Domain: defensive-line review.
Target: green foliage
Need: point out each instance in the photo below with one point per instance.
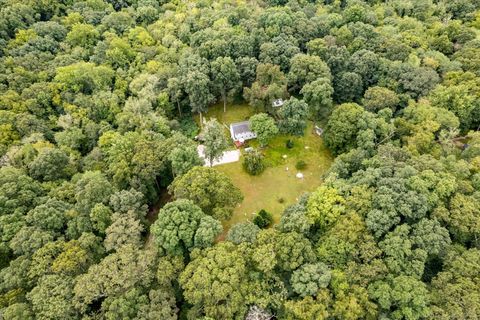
(402, 297)
(224, 267)
(460, 95)
(225, 77)
(453, 293)
(183, 158)
(115, 274)
(378, 98)
(52, 297)
(188, 127)
(300, 165)
(294, 217)
(253, 162)
(270, 84)
(18, 311)
(293, 117)
(182, 226)
(50, 216)
(289, 144)
(84, 77)
(318, 95)
(282, 251)
(49, 165)
(211, 190)
(263, 219)
(84, 35)
(96, 105)
(198, 91)
(18, 192)
(125, 229)
(305, 69)
(350, 126)
(243, 232)
(309, 278)
(325, 206)
(215, 142)
(264, 126)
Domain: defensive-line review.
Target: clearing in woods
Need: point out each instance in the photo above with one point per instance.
(277, 187)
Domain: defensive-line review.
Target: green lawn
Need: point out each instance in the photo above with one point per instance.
(276, 187)
(235, 113)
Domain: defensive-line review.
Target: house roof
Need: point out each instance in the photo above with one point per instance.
(241, 130)
(240, 127)
(277, 102)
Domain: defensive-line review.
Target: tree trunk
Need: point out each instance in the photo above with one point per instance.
(224, 97)
(201, 119)
(179, 109)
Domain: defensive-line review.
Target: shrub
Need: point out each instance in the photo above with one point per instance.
(289, 144)
(188, 127)
(263, 219)
(281, 200)
(300, 165)
(253, 163)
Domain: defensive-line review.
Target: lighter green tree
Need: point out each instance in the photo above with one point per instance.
(225, 77)
(264, 126)
(182, 226)
(210, 189)
(215, 141)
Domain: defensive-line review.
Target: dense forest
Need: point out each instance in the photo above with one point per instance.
(99, 109)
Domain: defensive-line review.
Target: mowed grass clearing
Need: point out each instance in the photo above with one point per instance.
(277, 187)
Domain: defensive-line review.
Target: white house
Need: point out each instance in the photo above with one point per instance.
(241, 132)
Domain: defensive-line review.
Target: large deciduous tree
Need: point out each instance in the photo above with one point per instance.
(305, 69)
(49, 165)
(324, 207)
(318, 95)
(293, 117)
(115, 274)
(309, 278)
(377, 98)
(270, 84)
(197, 87)
(215, 141)
(264, 126)
(214, 282)
(401, 297)
(182, 226)
(225, 77)
(210, 189)
(455, 288)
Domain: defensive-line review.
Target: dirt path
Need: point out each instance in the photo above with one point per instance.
(153, 210)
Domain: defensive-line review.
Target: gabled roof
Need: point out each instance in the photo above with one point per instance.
(241, 130)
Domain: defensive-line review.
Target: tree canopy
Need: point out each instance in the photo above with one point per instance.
(107, 210)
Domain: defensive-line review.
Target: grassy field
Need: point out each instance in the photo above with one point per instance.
(277, 187)
(235, 113)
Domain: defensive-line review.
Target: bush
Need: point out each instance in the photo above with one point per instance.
(188, 127)
(300, 165)
(289, 144)
(263, 219)
(253, 163)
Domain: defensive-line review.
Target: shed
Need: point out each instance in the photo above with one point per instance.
(277, 103)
